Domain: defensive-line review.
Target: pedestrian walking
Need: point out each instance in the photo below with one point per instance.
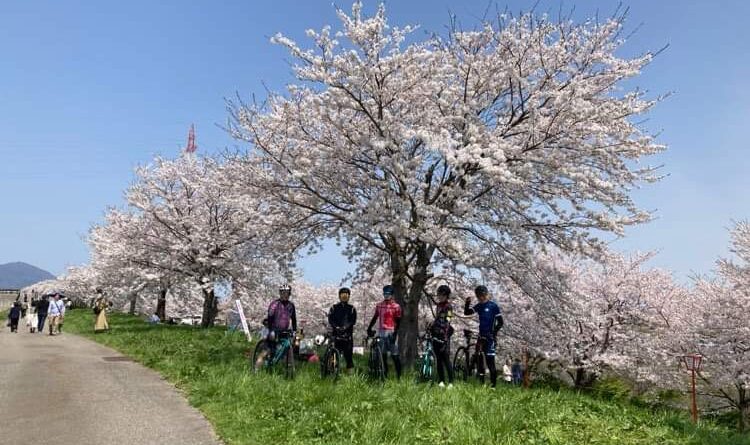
(67, 303)
(31, 320)
(507, 372)
(100, 310)
(24, 306)
(517, 371)
(13, 316)
(56, 314)
(42, 308)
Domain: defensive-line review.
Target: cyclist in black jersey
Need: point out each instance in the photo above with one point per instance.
(341, 318)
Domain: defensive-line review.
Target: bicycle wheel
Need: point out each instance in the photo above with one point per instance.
(261, 349)
(324, 364)
(426, 371)
(461, 365)
(289, 363)
(331, 363)
(334, 364)
(376, 365)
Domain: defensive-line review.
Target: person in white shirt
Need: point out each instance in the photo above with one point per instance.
(153, 319)
(31, 320)
(56, 313)
(507, 375)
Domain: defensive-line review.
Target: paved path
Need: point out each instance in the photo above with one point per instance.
(67, 390)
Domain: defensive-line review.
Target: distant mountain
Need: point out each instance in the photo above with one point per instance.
(18, 275)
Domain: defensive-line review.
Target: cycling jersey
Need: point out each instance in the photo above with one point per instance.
(441, 327)
(282, 315)
(488, 313)
(387, 311)
(343, 316)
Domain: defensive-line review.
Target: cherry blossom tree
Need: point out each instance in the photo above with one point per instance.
(588, 317)
(510, 136)
(717, 327)
(113, 246)
(184, 221)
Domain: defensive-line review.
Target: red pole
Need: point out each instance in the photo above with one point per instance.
(695, 405)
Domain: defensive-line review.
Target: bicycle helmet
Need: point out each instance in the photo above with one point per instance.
(444, 290)
(481, 290)
(285, 289)
(388, 291)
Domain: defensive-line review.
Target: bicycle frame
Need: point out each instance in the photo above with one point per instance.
(376, 353)
(427, 360)
(475, 358)
(332, 350)
(281, 350)
(283, 345)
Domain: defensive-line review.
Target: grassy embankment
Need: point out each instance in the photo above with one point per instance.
(211, 368)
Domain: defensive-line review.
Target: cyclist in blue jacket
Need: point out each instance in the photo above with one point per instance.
(490, 321)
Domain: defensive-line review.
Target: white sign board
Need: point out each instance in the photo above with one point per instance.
(243, 319)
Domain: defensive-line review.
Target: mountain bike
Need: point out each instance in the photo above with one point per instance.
(468, 364)
(267, 356)
(375, 363)
(427, 359)
(330, 366)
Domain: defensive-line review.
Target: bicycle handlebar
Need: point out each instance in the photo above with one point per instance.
(332, 336)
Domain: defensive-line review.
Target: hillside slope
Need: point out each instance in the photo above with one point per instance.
(212, 369)
(17, 275)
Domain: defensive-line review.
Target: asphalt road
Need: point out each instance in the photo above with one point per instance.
(68, 390)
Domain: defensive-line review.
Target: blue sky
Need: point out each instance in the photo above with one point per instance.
(90, 89)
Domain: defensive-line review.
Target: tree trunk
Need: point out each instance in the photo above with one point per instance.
(210, 308)
(133, 301)
(161, 304)
(409, 320)
(744, 407)
(583, 379)
(408, 297)
(408, 333)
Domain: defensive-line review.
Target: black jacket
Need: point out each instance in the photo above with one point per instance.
(15, 312)
(342, 315)
(42, 306)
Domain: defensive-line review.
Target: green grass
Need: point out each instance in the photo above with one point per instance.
(211, 368)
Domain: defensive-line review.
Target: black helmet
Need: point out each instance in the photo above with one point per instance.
(345, 290)
(285, 288)
(481, 290)
(444, 290)
(388, 291)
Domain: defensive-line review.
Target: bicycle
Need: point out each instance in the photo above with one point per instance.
(466, 364)
(375, 363)
(330, 366)
(283, 352)
(427, 359)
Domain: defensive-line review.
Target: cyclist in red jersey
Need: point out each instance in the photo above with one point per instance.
(388, 313)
